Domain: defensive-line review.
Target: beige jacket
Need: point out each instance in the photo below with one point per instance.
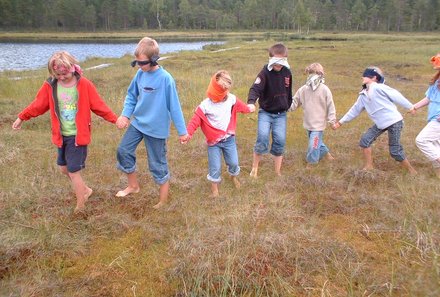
(318, 107)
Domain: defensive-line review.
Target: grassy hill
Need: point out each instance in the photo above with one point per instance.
(333, 230)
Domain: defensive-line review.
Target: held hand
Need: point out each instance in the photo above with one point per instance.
(17, 124)
(122, 122)
(251, 107)
(412, 111)
(336, 125)
(184, 139)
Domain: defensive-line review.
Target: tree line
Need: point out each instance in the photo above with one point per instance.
(298, 15)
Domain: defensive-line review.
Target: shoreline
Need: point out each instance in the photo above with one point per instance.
(132, 36)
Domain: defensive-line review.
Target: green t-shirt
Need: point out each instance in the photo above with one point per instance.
(68, 105)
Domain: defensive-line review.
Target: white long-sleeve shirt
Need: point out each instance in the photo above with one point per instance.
(379, 102)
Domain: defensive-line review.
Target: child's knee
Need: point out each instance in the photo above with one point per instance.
(419, 142)
(234, 169)
(122, 151)
(365, 143)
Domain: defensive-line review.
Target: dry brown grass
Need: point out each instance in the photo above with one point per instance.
(333, 230)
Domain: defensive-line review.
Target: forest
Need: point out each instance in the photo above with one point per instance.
(297, 15)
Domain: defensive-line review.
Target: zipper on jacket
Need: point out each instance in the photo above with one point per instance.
(53, 84)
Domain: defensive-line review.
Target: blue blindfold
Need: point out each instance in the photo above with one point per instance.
(370, 72)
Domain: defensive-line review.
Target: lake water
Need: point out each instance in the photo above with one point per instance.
(27, 56)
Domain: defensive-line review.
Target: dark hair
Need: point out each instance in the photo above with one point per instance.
(278, 49)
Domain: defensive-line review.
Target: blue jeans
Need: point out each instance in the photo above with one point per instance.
(156, 154)
(316, 148)
(396, 149)
(228, 148)
(267, 122)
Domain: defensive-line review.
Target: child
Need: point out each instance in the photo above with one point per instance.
(217, 117)
(273, 90)
(317, 102)
(151, 103)
(70, 97)
(378, 100)
(428, 140)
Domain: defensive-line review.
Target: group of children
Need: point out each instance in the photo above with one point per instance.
(152, 103)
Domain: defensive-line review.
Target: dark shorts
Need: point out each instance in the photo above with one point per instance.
(71, 155)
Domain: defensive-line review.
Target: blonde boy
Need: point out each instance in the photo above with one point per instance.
(150, 106)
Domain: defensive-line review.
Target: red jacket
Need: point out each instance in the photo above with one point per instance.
(212, 134)
(88, 100)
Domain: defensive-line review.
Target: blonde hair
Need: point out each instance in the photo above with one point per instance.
(147, 46)
(223, 79)
(59, 60)
(315, 68)
(278, 49)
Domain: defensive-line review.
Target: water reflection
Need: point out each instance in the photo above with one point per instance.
(27, 56)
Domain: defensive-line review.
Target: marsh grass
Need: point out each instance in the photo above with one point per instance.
(333, 230)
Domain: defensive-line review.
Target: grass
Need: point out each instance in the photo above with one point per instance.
(333, 230)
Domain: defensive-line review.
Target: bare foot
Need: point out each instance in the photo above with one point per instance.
(236, 182)
(88, 193)
(159, 205)
(368, 168)
(254, 173)
(405, 164)
(80, 204)
(329, 157)
(214, 195)
(128, 190)
(412, 171)
(80, 213)
(78, 210)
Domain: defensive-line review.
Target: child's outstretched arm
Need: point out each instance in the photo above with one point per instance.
(243, 107)
(193, 124)
(295, 102)
(336, 125)
(37, 107)
(16, 125)
(418, 105)
(354, 111)
(396, 97)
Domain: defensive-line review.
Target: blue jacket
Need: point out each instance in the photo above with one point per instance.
(152, 102)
